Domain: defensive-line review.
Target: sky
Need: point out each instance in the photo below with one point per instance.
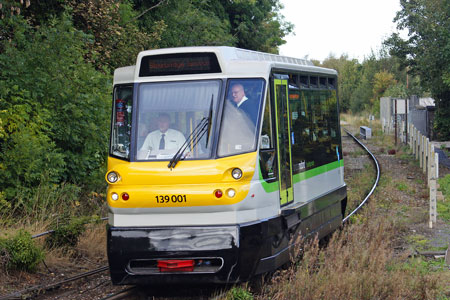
(324, 27)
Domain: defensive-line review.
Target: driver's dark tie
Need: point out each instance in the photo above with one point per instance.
(162, 142)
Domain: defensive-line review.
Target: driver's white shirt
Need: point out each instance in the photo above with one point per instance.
(173, 140)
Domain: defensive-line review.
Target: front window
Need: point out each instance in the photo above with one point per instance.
(238, 133)
(121, 127)
(174, 116)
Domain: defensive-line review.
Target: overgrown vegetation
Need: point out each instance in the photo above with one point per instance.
(426, 53)
(67, 231)
(56, 62)
(19, 252)
(357, 264)
(443, 207)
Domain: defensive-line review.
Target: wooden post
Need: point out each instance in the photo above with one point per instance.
(395, 122)
(425, 155)
(430, 160)
(417, 143)
(436, 163)
(420, 148)
(411, 137)
(406, 120)
(433, 210)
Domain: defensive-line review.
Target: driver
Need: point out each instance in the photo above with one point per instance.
(164, 138)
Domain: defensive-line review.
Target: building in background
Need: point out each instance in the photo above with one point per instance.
(420, 113)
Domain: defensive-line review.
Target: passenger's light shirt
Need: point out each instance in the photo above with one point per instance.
(173, 140)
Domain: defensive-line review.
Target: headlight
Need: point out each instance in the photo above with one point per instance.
(236, 173)
(112, 177)
(114, 196)
(231, 193)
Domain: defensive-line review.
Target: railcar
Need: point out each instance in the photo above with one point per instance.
(201, 190)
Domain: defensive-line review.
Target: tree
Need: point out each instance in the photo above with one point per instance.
(426, 51)
(117, 37)
(54, 108)
(257, 24)
(381, 82)
(349, 77)
(250, 24)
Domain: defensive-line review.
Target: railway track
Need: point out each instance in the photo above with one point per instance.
(36, 290)
(377, 168)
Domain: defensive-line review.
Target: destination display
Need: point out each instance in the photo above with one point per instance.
(178, 64)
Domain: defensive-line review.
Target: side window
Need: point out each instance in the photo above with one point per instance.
(241, 114)
(267, 154)
(121, 121)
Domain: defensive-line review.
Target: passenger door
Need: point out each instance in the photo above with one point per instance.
(283, 133)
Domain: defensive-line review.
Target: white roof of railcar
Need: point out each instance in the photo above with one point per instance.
(234, 62)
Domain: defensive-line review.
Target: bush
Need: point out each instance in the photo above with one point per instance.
(67, 235)
(54, 110)
(20, 253)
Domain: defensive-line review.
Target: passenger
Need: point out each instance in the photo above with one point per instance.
(250, 107)
(164, 138)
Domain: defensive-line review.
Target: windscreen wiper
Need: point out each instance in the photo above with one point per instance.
(203, 126)
(194, 135)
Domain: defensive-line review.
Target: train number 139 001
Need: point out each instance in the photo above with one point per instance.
(170, 198)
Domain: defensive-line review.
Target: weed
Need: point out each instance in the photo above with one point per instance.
(20, 253)
(443, 210)
(418, 241)
(401, 186)
(67, 234)
(239, 293)
(445, 186)
(422, 266)
(419, 181)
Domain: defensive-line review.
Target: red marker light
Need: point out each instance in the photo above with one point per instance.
(218, 194)
(125, 196)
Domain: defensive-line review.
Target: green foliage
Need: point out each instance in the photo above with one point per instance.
(54, 109)
(255, 25)
(444, 184)
(426, 51)
(443, 207)
(20, 253)
(361, 85)
(349, 77)
(238, 293)
(420, 266)
(443, 210)
(117, 38)
(67, 234)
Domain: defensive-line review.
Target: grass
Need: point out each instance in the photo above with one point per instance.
(359, 185)
(357, 264)
(443, 207)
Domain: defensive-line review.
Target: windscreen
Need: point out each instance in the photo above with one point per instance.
(238, 131)
(174, 116)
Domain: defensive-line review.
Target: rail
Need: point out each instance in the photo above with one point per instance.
(53, 230)
(36, 290)
(377, 166)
